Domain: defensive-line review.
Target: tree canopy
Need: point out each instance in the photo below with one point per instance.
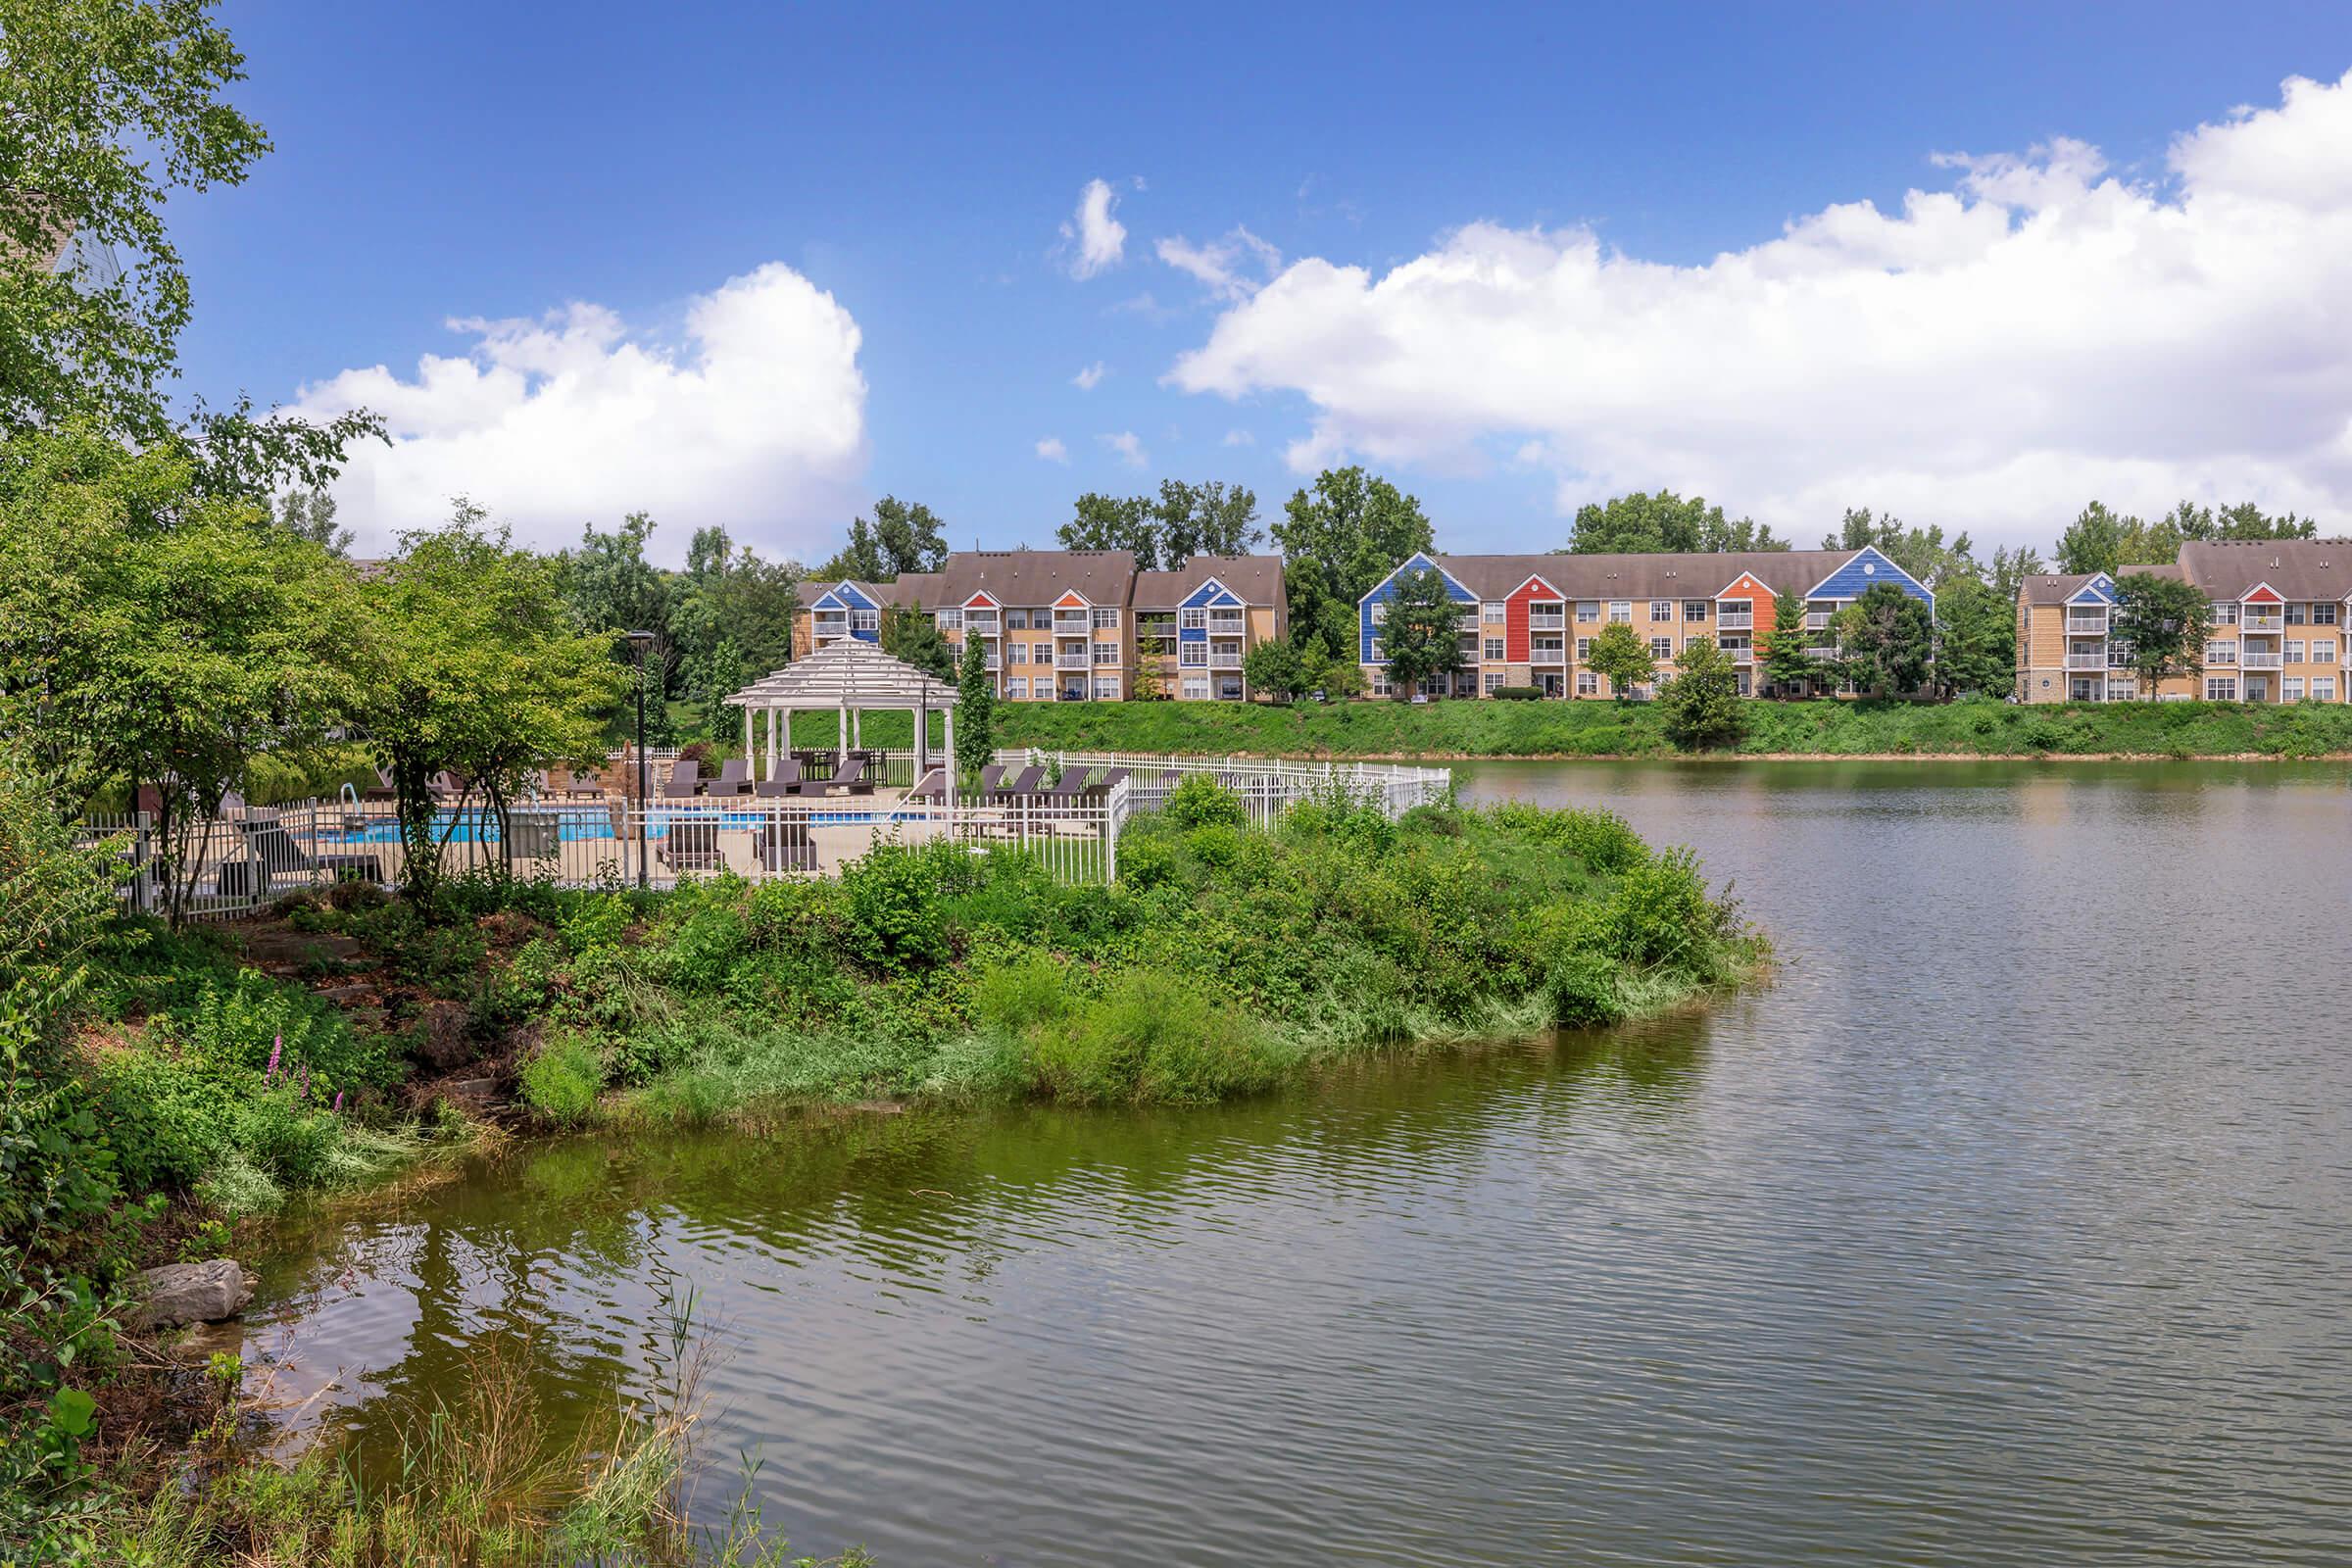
(903, 536)
(1339, 538)
(1886, 641)
(1420, 633)
(2162, 622)
(1619, 652)
(2102, 540)
(1921, 552)
(1662, 523)
(1701, 699)
(1166, 530)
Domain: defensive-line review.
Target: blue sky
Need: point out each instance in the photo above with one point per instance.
(920, 165)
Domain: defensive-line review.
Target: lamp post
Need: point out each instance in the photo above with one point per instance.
(639, 642)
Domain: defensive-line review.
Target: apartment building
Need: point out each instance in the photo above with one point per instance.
(1530, 621)
(1062, 625)
(2280, 612)
(1195, 626)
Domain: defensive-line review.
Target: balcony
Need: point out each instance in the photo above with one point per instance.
(1820, 653)
(1736, 619)
(1546, 620)
(1073, 624)
(2090, 660)
(1740, 656)
(1225, 658)
(2249, 659)
(832, 625)
(1225, 622)
(1819, 619)
(983, 621)
(1547, 654)
(2081, 626)
(2260, 619)
(1078, 660)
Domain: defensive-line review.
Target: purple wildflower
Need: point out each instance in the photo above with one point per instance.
(275, 1046)
(338, 1101)
(305, 1080)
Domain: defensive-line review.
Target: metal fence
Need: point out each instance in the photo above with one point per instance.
(243, 860)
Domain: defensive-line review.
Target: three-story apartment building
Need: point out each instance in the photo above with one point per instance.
(1530, 621)
(2280, 612)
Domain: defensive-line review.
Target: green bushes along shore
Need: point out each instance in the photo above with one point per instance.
(157, 1083)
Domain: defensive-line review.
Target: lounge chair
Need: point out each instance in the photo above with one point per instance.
(850, 780)
(1073, 780)
(279, 855)
(786, 847)
(533, 835)
(734, 777)
(934, 787)
(1101, 789)
(582, 781)
(783, 786)
(1023, 783)
(690, 846)
(685, 779)
(992, 778)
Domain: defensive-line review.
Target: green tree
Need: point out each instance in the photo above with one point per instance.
(1645, 524)
(2099, 540)
(1421, 635)
(910, 634)
(975, 708)
(2162, 624)
(1785, 659)
(611, 587)
(730, 615)
(1114, 523)
(109, 106)
(1887, 640)
(903, 537)
(1151, 686)
(1921, 552)
(1701, 699)
(1274, 669)
(1166, 530)
(1338, 539)
(1975, 649)
(2011, 569)
(1620, 654)
(478, 668)
(311, 513)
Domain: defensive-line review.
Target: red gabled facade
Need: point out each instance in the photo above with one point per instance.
(1515, 624)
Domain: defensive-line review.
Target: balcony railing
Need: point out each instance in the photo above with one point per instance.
(2249, 659)
(1072, 662)
(1736, 619)
(1225, 622)
(1546, 620)
(1740, 656)
(983, 621)
(1819, 619)
(1222, 658)
(2092, 661)
(832, 625)
(1547, 654)
(2086, 625)
(1820, 653)
(2260, 619)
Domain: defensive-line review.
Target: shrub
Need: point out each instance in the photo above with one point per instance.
(168, 1124)
(1517, 694)
(561, 1081)
(896, 921)
(287, 1138)
(1199, 801)
(1021, 995)
(1155, 1036)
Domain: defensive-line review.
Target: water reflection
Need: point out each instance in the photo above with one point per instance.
(2007, 1226)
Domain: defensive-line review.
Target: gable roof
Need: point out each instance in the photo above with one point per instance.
(2298, 568)
(1422, 561)
(1690, 575)
(1863, 571)
(874, 592)
(2061, 587)
(1252, 579)
(1022, 579)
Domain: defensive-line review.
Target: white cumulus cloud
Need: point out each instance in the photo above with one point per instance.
(1129, 446)
(1088, 379)
(756, 422)
(1233, 268)
(1052, 451)
(1096, 240)
(1991, 356)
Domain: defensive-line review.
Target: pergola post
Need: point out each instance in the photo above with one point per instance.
(950, 764)
(841, 748)
(751, 757)
(922, 741)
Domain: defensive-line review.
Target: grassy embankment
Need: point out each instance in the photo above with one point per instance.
(1603, 729)
(159, 1084)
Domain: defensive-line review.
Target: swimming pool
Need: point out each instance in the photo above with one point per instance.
(474, 826)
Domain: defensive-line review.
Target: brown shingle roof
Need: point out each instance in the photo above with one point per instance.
(2057, 587)
(1253, 579)
(814, 588)
(1028, 578)
(2299, 568)
(1646, 576)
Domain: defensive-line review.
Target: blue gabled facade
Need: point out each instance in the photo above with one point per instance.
(1865, 570)
(2100, 590)
(1210, 595)
(846, 596)
(1384, 589)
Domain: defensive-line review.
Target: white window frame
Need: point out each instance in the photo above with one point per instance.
(2290, 688)
(1698, 609)
(1106, 617)
(1495, 611)
(2322, 651)
(1196, 690)
(1621, 611)
(1493, 681)
(1380, 614)
(866, 621)
(1378, 683)
(949, 621)
(1018, 653)
(1017, 620)
(2323, 688)
(1661, 648)
(2214, 688)
(1584, 649)
(1588, 684)
(2292, 651)
(1587, 611)
(1494, 650)
(2323, 613)
(1662, 610)
(2297, 612)
(2224, 613)
(1195, 618)
(1018, 686)
(1106, 654)
(1107, 689)
(2221, 652)
(1195, 655)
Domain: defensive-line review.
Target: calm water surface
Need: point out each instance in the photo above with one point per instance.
(2012, 1224)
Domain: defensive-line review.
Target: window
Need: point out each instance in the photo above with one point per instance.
(1018, 686)
(1106, 690)
(1697, 609)
(1020, 653)
(2294, 651)
(1106, 617)
(2224, 613)
(1587, 611)
(2295, 615)
(1494, 681)
(1588, 684)
(2323, 688)
(2221, 688)
(1696, 638)
(865, 619)
(2322, 653)
(1107, 653)
(1045, 652)
(1584, 649)
(2290, 690)
(1493, 612)
(1195, 655)
(1621, 611)
(1380, 682)
(1196, 690)
(950, 619)
(1195, 619)
(1494, 650)
(1662, 610)
(1380, 614)
(2221, 652)
(1661, 648)
(2323, 614)
(1017, 620)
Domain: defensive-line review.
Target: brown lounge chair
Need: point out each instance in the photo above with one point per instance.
(685, 779)
(1073, 780)
(992, 778)
(1023, 783)
(786, 784)
(1099, 791)
(850, 780)
(787, 847)
(933, 788)
(734, 777)
(690, 846)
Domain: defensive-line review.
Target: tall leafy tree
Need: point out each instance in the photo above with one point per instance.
(2164, 622)
(1975, 649)
(731, 615)
(910, 634)
(1114, 523)
(1274, 669)
(1921, 552)
(611, 587)
(1421, 635)
(975, 708)
(1652, 525)
(1339, 538)
(107, 107)
(1166, 530)
(1887, 640)
(1701, 699)
(903, 536)
(1785, 659)
(1619, 652)
(311, 513)
(2010, 570)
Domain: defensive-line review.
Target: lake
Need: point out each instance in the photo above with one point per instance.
(2012, 1223)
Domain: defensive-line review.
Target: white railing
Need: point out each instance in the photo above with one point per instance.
(1072, 662)
(1077, 625)
(2090, 660)
(2086, 625)
(1540, 620)
(1267, 787)
(1820, 653)
(1740, 656)
(2260, 619)
(1819, 619)
(1547, 654)
(2252, 658)
(1736, 619)
(1223, 658)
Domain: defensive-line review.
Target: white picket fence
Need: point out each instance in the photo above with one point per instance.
(243, 861)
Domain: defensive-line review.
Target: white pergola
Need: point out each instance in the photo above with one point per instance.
(848, 676)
